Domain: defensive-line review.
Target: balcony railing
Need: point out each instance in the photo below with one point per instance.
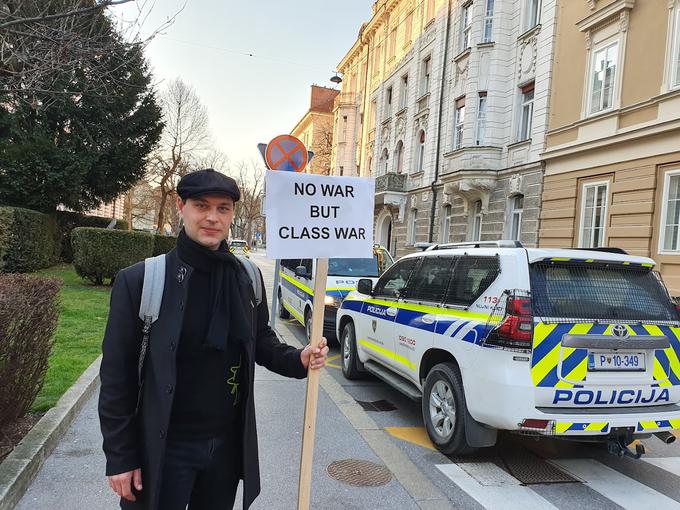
(390, 181)
(346, 99)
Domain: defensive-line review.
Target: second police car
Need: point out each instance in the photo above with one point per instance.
(492, 336)
(296, 287)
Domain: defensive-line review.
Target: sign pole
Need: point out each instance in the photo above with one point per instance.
(309, 428)
(275, 295)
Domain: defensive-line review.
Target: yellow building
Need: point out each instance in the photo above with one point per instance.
(612, 174)
(315, 129)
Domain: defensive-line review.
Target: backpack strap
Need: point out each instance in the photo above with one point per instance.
(150, 306)
(254, 274)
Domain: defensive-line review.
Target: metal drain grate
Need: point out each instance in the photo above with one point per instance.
(378, 405)
(360, 473)
(531, 469)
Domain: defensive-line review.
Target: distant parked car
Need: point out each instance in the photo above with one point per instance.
(239, 247)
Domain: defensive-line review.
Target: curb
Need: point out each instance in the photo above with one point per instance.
(21, 466)
(425, 494)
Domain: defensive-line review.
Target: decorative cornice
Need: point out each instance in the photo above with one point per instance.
(604, 14)
(591, 4)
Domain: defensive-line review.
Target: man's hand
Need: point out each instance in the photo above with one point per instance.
(122, 483)
(315, 358)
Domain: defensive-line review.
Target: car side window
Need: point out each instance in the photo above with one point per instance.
(471, 277)
(308, 264)
(430, 280)
(290, 264)
(392, 283)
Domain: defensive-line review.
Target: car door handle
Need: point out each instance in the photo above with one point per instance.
(427, 319)
(392, 312)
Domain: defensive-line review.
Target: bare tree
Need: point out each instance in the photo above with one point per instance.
(323, 148)
(52, 48)
(184, 140)
(250, 179)
(141, 205)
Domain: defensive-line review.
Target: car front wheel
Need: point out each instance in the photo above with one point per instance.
(351, 366)
(443, 407)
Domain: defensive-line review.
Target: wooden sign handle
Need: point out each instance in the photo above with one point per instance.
(309, 429)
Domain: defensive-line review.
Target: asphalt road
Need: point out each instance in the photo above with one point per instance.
(519, 472)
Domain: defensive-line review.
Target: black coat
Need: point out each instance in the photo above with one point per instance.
(132, 441)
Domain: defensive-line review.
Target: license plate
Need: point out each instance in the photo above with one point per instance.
(615, 361)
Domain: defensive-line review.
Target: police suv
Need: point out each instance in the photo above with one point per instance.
(296, 287)
(492, 336)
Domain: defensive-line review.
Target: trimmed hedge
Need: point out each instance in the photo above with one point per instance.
(28, 319)
(28, 240)
(67, 221)
(100, 253)
(163, 244)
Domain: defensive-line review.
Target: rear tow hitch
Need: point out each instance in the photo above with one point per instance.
(619, 446)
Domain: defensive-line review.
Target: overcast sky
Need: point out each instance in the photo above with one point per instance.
(251, 99)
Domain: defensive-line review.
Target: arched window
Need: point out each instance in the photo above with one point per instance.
(385, 160)
(369, 165)
(421, 151)
(446, 223)
(399, 157)
(516, 210)
(477, 221)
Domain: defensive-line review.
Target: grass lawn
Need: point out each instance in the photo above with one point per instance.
(83, 311)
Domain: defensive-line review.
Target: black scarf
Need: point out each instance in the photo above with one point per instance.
(227, 316)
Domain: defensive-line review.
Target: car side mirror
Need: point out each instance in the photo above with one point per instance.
(365, 286)
(301, 271)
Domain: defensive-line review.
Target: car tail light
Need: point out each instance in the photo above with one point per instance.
(516, 329)
(534, 426)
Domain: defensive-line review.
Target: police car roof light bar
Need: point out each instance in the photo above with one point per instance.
(503, 243)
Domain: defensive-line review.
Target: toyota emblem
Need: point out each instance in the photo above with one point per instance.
(620, 330)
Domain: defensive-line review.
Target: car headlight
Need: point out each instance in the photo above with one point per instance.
(330, 301)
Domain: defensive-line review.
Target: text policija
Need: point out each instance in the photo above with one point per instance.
(323, 211)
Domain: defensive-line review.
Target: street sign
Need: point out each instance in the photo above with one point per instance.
(287, 153)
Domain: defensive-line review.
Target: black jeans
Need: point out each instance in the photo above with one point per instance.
(201, 473)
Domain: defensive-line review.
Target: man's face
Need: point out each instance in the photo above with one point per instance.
(207, 218)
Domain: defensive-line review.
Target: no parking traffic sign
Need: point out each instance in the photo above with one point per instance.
(287, 153)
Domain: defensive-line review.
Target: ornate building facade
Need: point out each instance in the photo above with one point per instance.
(445, 103)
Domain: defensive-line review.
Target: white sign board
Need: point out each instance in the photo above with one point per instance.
(315, 216)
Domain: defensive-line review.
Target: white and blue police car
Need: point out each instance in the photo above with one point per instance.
(568, 343)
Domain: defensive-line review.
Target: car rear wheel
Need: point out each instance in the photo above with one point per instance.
(351, 366)
(283, 313)
(444, 407)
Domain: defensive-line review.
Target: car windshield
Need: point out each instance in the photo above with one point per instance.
(564, 291)
(238, 244)
(372, 267)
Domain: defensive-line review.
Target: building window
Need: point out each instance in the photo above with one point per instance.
(376, 59)
(372, 115)
(393, 43)
(459, 123)
(603, 78)
(404, 92)
(477, 221)
(385, 160)
(466, 27)
(533, 13)
(446, 223)
(426, 70)
(516, 209)
(388, 102)
(342, 171)
(399, 157)
(343, 134)
(526, 112)
(488, 21)
(593, 214)
(429, 15)
(369, 165)
(412, 227)
(481, 119)
(421, 151)
(409, 28)
(670, 215)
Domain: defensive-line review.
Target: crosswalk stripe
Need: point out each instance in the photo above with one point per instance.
(670, 464)
(619, 488)
(492, 487)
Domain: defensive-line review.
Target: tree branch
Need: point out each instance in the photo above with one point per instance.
(76, 12)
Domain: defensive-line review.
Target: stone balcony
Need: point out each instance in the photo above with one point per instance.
(390, 182)
(346, 99)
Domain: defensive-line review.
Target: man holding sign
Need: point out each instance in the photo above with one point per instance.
(187, 434)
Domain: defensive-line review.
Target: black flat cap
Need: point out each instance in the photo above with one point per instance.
(207, 182)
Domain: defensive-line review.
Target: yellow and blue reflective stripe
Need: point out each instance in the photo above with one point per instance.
(563, 427)
(387, 353)
(293, 312)
(592, 261)
(643, 426)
